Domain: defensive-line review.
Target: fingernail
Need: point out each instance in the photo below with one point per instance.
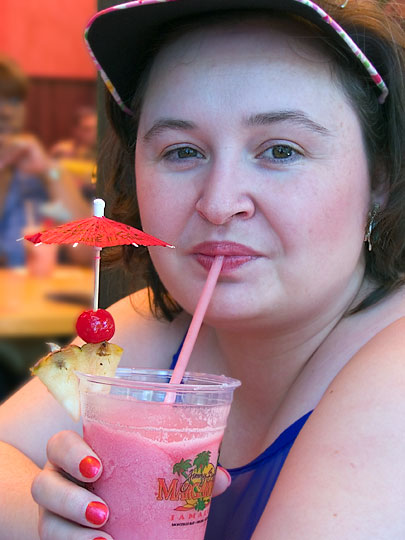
(89, 466)
(226, 474)
(100, 538)
(96, 513)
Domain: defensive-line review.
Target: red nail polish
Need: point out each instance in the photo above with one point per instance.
(96, 513)
(100, 538)
(89, 466)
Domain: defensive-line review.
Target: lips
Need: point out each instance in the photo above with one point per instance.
(235, 255)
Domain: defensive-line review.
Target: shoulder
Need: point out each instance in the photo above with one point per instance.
(345, 475)
(369, 391)
(379, 362)
(146, 340)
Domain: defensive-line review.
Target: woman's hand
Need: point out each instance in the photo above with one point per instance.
(68, 511)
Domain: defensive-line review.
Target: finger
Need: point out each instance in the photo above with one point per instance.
(52, 526)
(64, 498)
(68, 451)
(222, 481)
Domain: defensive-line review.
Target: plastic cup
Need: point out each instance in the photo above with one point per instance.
(159, 459)
(40, 260)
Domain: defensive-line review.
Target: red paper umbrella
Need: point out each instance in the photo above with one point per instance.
(97, 231)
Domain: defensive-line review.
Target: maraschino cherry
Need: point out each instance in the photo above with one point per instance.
(95, 326)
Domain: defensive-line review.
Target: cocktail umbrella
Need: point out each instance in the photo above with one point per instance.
(99, 232)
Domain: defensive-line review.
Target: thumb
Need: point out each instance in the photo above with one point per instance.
(222, 481)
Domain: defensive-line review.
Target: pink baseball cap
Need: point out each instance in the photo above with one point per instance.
(119, 38)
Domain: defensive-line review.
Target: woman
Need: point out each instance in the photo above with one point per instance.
(258, 135)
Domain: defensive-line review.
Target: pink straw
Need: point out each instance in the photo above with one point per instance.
(195, 325)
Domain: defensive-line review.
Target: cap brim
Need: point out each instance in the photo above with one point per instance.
(119, 38)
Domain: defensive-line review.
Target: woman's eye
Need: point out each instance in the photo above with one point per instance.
(280, 152)
(184, 152)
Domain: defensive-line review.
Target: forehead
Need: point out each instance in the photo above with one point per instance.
(239, 61)
(257, 25)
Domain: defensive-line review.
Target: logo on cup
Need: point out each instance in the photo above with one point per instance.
(193, 486)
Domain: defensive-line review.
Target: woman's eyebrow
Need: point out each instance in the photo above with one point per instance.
(163, 124)
(295, 116)
(260, 119)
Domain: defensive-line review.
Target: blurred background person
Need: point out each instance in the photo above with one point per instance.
(72, 175)
(73, 169)
(23, 189)
(78, 154)
(23, 163)
(82, 144)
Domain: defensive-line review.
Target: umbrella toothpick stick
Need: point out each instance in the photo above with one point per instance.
(97, 258)
(99, 206)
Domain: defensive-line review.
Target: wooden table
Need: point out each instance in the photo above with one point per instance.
(47, 306)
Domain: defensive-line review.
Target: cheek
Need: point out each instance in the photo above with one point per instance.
(162, 208)
(335, 208)
(331, 217)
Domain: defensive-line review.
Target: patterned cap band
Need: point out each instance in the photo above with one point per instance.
(376, 77)
(117, 37)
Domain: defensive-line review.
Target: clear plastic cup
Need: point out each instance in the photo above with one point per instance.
(41, 260)
(159, 459)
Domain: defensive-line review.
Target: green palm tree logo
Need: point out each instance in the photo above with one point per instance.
(202, 460)
(196, 475)
(181, 467)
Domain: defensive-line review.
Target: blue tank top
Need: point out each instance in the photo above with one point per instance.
(235, 514)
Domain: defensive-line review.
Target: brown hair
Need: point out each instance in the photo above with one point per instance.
(382, 39)
(13, 82)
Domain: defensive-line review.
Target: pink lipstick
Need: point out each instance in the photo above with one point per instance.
(235, 255)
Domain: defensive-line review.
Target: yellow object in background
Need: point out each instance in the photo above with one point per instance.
(79, 167)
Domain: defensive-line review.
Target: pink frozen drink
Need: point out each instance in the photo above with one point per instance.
(159, 459)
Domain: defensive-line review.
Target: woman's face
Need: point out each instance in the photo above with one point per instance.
(248, 148)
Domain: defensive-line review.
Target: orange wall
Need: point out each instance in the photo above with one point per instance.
(46, 36)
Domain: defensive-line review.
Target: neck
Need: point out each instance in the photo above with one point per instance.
(268, 359)
(269, 363)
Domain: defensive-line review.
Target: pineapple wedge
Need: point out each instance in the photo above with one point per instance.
(56, 370)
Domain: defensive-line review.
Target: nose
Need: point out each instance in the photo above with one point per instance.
(225, 195)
